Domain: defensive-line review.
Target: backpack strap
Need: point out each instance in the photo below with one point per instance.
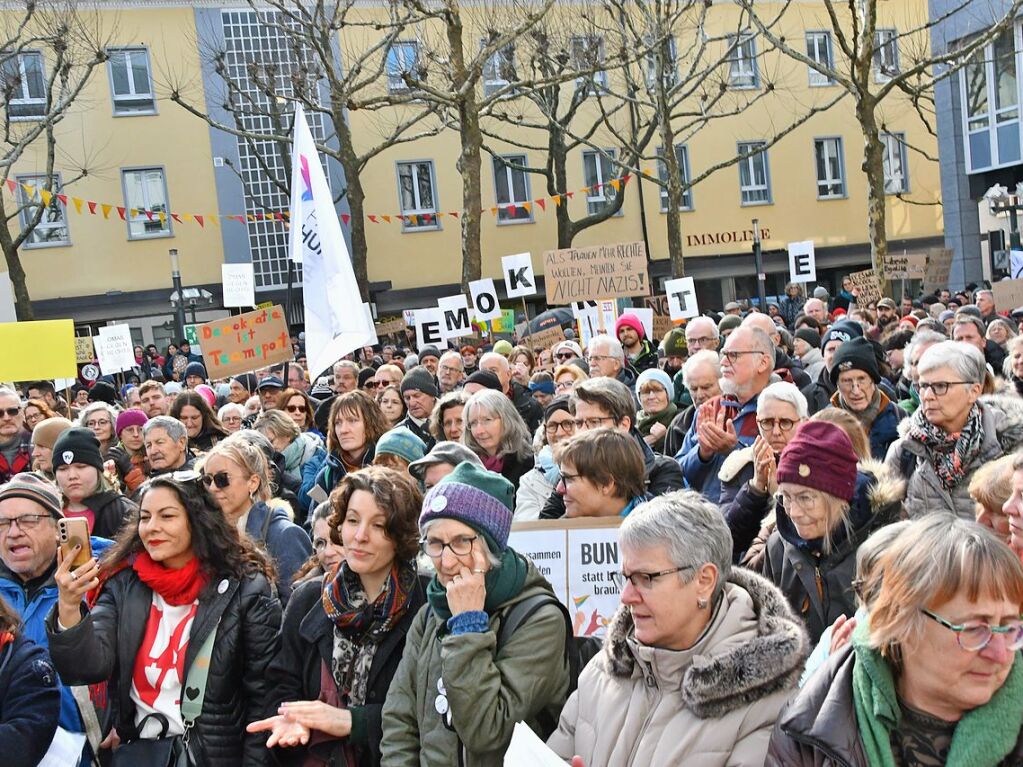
(195, 680)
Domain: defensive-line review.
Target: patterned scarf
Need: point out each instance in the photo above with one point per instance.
(360, 625)
(950, 454)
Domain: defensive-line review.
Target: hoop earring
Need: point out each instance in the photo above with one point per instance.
(701, 603)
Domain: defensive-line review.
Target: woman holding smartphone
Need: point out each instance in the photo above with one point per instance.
(177, 575)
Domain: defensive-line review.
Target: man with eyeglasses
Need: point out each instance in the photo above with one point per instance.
(45, 391)
(728, 422)
(701, 377)
(855, 374)
(527, 407)
(450, 372)
(15, 441)
(29, 509)
(606, 357)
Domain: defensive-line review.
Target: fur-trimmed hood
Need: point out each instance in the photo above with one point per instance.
(726, 675)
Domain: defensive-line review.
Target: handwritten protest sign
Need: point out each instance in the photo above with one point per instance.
(545, 339)
(604, 271)
(939, 264)
(577, 557)
(391, 327)
(866, 286)
(662, 315)
(114, 349)
(239, 284)
(83, 349)
(1008, 294)
(37, 350)
(908, 266)
(243, 343)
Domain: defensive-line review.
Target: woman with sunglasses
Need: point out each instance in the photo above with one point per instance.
(299, 409)
(177, 573)
(934, 675)
(201, 423)
(238, 477)
(344, 632)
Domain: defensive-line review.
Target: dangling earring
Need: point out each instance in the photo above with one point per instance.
(701, 603)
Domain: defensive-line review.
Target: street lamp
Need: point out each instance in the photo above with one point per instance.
(179, 305)
(758, 260)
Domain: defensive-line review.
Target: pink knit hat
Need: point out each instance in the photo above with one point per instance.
(631, 321)
(207, 394)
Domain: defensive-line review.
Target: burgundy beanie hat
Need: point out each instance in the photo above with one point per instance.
(631, 321)
(131, 417)
(820, 456)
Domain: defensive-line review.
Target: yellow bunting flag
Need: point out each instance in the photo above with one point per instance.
(78, 204)
(106, 209)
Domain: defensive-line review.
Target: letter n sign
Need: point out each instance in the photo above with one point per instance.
(802, 265)
(518, 275)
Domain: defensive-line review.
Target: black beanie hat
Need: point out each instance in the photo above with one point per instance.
(77, 445)
(246, 380)
(364, 375)
(485, 378)
(810, 336)
(101, 391)
(419, 378)
(857, 354)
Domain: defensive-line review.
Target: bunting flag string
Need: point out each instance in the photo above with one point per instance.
(22, 191)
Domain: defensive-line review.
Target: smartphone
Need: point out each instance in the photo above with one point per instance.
(74, 531)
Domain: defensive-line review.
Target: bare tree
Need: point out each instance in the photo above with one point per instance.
(48, 53)
(877, 65)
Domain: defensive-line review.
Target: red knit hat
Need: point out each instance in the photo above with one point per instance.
(820, 456)
(631, 321)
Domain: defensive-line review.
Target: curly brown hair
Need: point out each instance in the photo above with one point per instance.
(360, 404)
(399, 500)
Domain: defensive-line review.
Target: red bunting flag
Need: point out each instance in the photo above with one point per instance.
(345, 218)
(92, 207)
(120, 212)
(12, 185)
(199, 220)
(63, 199)
(149, 214)
(373, 219)
(177, 218)
(542, 203)
(453, 214)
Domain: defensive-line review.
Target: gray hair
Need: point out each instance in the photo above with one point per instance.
(968, 319)
(608, 393)
(611, 344)
(712, 327)
(690, 527)
(1009, 327)
(274, 423)
(965, 359)
(230, 407)
(923, 338)
(92, 407)
(783, 391)
(6, 391)
(702, 357)
(174, 428)
(452, 355)
(494, 560)
(322, 511)
(342, 364)
(514, 432)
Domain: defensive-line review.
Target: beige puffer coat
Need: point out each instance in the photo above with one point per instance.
(710, 706)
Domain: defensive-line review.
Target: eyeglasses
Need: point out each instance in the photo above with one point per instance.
(449, 369)
(940, 388)
(319, 544)
(295, 408)
(94, 424)
(598, 358)
(802, 501)
(568, 426)
(24, 521)
(649, 391)
(856, 383)
(460, 546)
(644, 581)
(565, 355)
(703, 341)
(564, 386)
(591, 423)
(975, 636)
(767, 424)
(10, 412)
(483, 421)
(733, 355)
(221, 479)
(371, 384)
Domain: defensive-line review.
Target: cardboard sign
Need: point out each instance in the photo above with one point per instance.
(802, 262)
(239, 284)
(545, 339)
(604, 271)
(1008, 294)
(115, 349)
(662, 315)
(939, 264)
(518, 275)
(908, 266)
(682, 303)
(37, 350)
(84, 351)
(246, 342)
(429, 327)
(484, 299)
(456, 321)
(867, 287)
(391, 327)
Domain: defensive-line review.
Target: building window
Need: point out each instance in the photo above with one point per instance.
(588, 54)
(886, 55)
(511, 187)
(145, 198)
(830, 171)
(25, 81)
(499, 69)
(742, 62)
(52, 229)
(682, 155)
(416, 195)
(754, 178)
(990, 95)
(402, 59)
(599, 168)
(670, 72)
(818, 49)
(896, 172)
(130, 83)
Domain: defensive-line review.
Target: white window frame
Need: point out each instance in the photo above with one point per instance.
(829, 149)
(166, 226)
(419, 210)
(36, 103)
(886, 54)
(123, 104)
(994, 116)
(598, 199)
(27, 210)
(819, 47)
(503, 216)
(402, 64)
(895, 148)
(682, 155)
(743, 72)
(581, 48)
(670, 66)
(756, 149)
(493, 68)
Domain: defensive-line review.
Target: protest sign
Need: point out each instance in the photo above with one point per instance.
(662, 315)
(245, 342)
(802, 262)
(429, 327)
(1016, 264)
(1008, 294)
(37, 350)
(455, 318)
(604, 271)
(544, 339)
(866, 287)
(484, 299)
(908, 266)
(390, 327)
(682, 304)
(578, 558)
(8, 313)
(505, 323)
(264, 304)
(83, 349)
(192, 336)
(115, 349)
(239, 284)
(939, 264)
(518, 275)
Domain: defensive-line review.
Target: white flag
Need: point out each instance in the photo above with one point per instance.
(335, 324)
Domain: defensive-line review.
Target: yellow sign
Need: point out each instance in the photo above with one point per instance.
(36, 350)
(265, 305)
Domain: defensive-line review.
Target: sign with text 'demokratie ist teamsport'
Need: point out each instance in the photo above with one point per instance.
(245, 342)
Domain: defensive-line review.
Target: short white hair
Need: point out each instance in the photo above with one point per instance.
(783, 391)
(611, 345)
(230, 407)
(698, 322)
(702, 357)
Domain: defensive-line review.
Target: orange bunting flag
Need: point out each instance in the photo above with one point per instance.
(525, 206)
(453, 214)
(648, 172)
(92, 207)
(163, 218)
(493, 211)
(542, 203)
(414, 220)
(557, 200)
(78, 204)
(373, 219)
(386, 218)
(106, 210)
(133, 212)
(345, 218)
(584, 189)
(45, 196)
(199, 221)
(214, 220)
(615, 184)
(120, 212)
(29, 190)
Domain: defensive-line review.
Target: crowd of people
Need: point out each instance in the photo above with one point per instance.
(820, 548)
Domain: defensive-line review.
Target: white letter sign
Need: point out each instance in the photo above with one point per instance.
(518, 275)
(802, 266)
(484, 300)
(682, 298)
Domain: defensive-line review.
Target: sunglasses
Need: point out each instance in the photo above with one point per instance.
(10, 412)
(373, 384)
(221, 479)
(296, 408)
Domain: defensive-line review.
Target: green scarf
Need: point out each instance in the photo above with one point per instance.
(502, 583)
(644, 421)
(983, 737)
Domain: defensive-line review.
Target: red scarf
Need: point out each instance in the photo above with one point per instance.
(177, 587)
(494, 463)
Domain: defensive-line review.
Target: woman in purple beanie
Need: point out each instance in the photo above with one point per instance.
(826, 507)
(129, 454)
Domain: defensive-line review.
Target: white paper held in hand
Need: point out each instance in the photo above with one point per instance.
(526, 748)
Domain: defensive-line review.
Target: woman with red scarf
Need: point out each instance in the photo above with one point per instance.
(344, 633)
(177, 572)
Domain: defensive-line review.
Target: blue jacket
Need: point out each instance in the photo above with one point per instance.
(885, 428)
(333, 470)
(33, 615)
(287, 543)
(29, 702)
(310, 470)
(701, 475)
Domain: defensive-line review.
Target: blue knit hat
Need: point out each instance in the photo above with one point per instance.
(658, 376)
(195, 369)
(481, 499)
(403, 443)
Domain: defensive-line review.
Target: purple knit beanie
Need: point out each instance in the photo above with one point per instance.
(131, 417)
(820, 456)
(481, 499)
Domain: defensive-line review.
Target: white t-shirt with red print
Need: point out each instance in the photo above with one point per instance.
(159, 671)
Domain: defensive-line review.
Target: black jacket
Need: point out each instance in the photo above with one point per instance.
(29, 702)
(526, 406)
(514, 467)
(104, 645)
(995, 356)
(423, 432)
(818, 394)
(307, 641)
(111, 510)
(677, 430)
